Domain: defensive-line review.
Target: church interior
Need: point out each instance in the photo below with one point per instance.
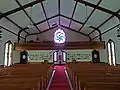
(59, 45)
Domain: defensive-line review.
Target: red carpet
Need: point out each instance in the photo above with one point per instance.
(60, 80)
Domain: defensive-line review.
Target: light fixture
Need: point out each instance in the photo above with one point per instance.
(37, 38)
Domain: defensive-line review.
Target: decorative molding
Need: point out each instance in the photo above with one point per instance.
(49, 45)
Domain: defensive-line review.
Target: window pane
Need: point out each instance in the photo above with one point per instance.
(113, 53)
(109, 54)
(64, 56)
(6, 54)
(10, 54)
(55, 56)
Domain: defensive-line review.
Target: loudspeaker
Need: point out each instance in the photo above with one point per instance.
(24, 57)
(95, 56)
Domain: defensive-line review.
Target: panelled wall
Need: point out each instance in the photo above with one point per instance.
(79, 55)
(41, 55)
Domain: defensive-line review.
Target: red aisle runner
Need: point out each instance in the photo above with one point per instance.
(60, 80)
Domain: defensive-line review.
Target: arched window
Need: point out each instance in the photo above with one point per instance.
(111, 52)
(8, 53)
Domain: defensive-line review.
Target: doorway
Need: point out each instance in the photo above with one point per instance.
(59, 57)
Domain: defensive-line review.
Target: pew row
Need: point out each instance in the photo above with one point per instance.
(25, 76)
(94, 76)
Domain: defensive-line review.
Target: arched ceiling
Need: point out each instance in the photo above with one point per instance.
(91, 18)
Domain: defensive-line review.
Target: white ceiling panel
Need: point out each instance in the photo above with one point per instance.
(92, 1)
(94, 34)
(82, 12)
(7, 24)
(23, 2)
(75, 25)
(32, 30)
(74, 36)
(7, 5)
(51, 7)
(27, 30)
(114, 21)
(65, 21)
(20, 18)
(86, 29)
(54, 21)
(36, 13)
(67, 7)
(23, 34)
(43, 26)
(97, 18)
(113, 5)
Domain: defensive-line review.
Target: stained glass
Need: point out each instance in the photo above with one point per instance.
(59, 36)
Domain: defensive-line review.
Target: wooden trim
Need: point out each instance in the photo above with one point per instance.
(66, 46)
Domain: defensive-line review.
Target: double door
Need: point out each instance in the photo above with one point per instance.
(59, 57)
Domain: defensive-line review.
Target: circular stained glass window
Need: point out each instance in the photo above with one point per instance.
(59, 36)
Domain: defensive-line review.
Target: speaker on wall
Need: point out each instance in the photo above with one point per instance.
(24, 57)
(95, 56)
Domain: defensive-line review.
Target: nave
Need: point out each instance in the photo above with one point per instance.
(39, 76)
(59, 44)
(60, 81)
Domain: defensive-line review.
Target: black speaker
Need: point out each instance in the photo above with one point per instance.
(24, 57)
(95, 56)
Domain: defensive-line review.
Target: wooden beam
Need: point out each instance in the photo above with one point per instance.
(45, 14)
(42, 31)
(73, 13)
(99, 8)
(71, 19)
(109, 18)
(28, 15)
(13, 22)
(107, 31)
(21, 8)
(49, 45)
(11, 31)
(89, 15)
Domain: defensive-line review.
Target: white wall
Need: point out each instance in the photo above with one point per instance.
(70, 36)
(5, 37)
(111, 35)
(16, 56)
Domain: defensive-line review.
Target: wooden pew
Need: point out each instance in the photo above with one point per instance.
(100, 86)
(35, 76)
(89, 72)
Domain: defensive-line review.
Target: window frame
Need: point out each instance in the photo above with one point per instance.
(112, 53)
(8, 63)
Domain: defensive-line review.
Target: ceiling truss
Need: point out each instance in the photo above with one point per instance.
(45, 14)
(109, 18)
(95, 7)
(28, 15)
(89, 15)
(13, 22)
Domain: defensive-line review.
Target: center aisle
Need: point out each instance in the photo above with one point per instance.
(60, 80)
